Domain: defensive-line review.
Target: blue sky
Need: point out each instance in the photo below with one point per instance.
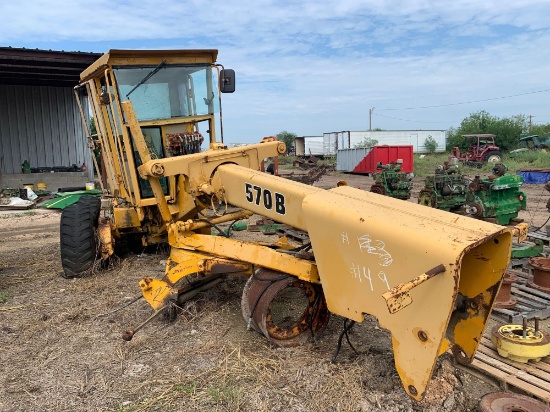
(310, 67)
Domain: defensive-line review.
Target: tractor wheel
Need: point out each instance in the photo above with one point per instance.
(493, 157)
(476, 210)
(78, 238)
(427, 198)
(377, 188)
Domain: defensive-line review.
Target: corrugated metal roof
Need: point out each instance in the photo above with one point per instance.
(34, 67)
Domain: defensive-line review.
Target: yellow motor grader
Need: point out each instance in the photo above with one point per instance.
(430, 277)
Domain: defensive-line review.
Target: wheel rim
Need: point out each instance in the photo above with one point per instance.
(376, 188)
(507, 401)
(265, 304)
(476, 209)
(494, 159)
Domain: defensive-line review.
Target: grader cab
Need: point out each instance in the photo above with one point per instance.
(428, 276)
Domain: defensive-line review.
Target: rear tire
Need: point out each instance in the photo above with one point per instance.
(78, 236)
(493, 157)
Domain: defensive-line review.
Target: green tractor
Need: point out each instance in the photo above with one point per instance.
(532, 143)
(391, 181)
(496, 198)
(445, 190)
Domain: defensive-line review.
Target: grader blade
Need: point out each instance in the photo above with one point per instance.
(430, 277)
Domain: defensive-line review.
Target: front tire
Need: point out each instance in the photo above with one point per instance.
(78, 238)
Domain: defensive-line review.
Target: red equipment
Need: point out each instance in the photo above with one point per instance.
(481, 150)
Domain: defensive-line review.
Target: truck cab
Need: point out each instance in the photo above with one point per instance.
(175, 96)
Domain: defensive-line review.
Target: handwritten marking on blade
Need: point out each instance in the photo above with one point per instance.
(376, 247)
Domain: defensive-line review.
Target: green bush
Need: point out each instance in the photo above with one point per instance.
(430, 144)
(507, 130)
(366, 142)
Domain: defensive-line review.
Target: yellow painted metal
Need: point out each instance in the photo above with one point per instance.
(242, 251)
(146, 158)
(106, 137)
(511, 343)
(132, 120)
(156, 292)
(120, 132)
(184, 263)
(120, 135)
(399, 297)
(91, 144)
(126, 217)
(520, 231)
(147, 58)
(200, 167)
(105, 238)
(190, 224)
(240, 187)
(365, 244)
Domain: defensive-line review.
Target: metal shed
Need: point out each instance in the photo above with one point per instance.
(39, 117)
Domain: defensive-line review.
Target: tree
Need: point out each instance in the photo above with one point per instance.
(542, 130)
(366, 142)
(430, 144)
(288, 139)
(507, 130)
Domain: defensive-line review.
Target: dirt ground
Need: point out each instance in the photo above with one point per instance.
(61, 346)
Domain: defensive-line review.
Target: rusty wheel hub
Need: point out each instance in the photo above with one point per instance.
(476, 209)
(283, 308)
(504, 298)
(510, 402)
(377, 188)
(541, 273)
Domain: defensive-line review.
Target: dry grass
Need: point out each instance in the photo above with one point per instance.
(61, 347)
(62, 351)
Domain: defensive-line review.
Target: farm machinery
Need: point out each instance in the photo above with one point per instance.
(496, 197)
(445, 190)
(390, 181)
(532, 143)
(428, 276)
(482, 149)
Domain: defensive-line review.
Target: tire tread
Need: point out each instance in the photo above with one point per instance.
(78, 241)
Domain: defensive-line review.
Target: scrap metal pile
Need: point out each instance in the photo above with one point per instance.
(496, 198)
(390, 181)
(311, 175)
(445, 190)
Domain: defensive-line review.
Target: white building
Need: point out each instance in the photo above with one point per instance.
(328, 144)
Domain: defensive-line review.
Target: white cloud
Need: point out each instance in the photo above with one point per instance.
(313, 66)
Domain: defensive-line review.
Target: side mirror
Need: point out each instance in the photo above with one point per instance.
(227, 81)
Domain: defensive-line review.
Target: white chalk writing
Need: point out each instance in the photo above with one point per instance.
(345, 238)
(376, 247)
(362, 272)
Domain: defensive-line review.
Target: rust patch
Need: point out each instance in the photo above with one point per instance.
(259, 306)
